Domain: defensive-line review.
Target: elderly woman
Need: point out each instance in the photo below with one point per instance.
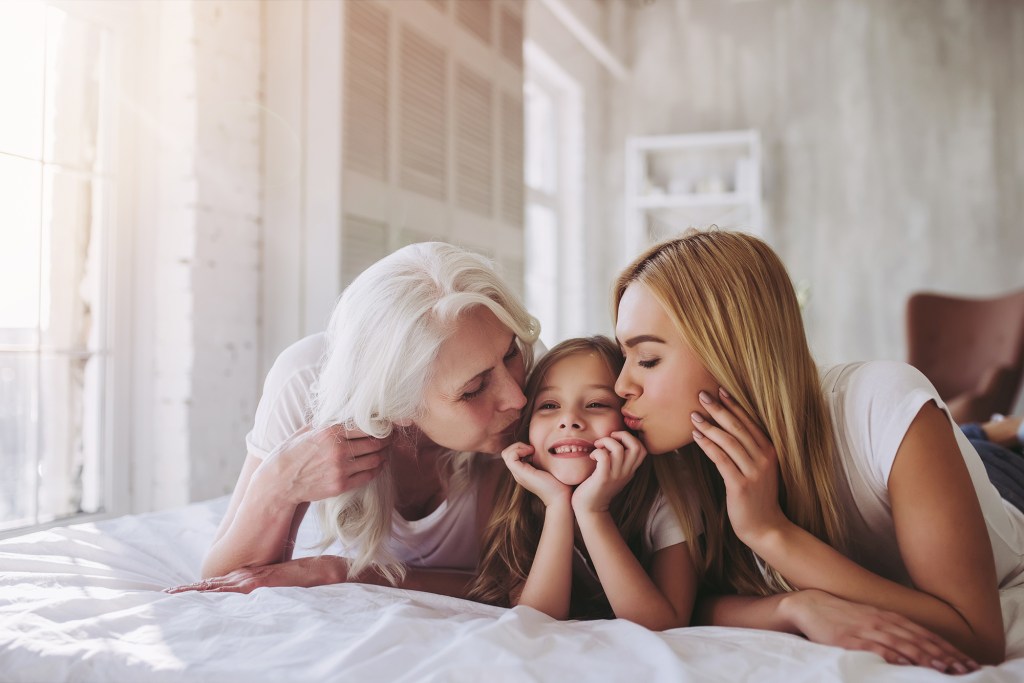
(379, 421)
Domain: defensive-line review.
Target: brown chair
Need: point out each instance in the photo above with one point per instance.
(972, 350)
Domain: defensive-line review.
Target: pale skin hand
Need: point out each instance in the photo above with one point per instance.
(272, 495)
(660, 600)
(940, 530)
(315, 465)
(618, 456)
(324, 570)
(548, 587)
(538, 482)
(826, 619)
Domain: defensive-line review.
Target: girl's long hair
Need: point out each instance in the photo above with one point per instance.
(513, 532)
(732, 301)
(383, 337)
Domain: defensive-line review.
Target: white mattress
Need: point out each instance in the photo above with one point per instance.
(84, 603)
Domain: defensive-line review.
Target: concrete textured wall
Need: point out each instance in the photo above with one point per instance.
(893, 141)
(206, 274)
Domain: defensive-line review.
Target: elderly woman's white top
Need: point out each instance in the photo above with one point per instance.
(446, 538)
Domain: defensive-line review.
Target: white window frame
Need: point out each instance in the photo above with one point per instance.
(568, 316)
(116, 412)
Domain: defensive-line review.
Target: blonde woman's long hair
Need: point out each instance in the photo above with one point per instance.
(731, 299)
(384, 335)
(513, 532)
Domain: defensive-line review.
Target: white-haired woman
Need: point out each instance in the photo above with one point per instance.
(380, 419)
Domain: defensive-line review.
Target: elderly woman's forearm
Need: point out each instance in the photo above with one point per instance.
(259, 534)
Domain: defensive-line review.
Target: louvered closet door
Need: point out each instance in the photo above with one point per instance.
(474, 142)
(433, 130)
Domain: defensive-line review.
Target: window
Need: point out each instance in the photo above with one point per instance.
(56, 168)
(554, 124)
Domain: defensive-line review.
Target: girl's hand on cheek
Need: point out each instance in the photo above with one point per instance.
(538, 482)
(747, 461)
(618, 456)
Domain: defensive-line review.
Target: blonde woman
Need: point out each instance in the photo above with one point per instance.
(843, 495)
(379, 421)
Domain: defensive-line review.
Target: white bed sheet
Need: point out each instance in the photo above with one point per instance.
(84, 603)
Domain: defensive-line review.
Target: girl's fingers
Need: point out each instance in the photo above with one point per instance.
(604, 465)
(615, 454)
(516, 452)
(630, 443)
(633, 451)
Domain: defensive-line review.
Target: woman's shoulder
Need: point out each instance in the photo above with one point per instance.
(304, 353)
(300, 361)
(872, 381)
(872, 405)
(285, 403)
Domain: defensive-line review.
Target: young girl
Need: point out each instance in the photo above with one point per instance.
(852, 482)
(580, 519)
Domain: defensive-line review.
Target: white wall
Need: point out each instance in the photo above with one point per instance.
(894, 146)
(197, 275)
(893, 141)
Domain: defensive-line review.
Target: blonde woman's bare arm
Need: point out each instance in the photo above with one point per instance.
(823, 618)
(942, 536)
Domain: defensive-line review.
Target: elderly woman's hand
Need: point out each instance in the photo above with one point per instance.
(303, 572)
(314, 465)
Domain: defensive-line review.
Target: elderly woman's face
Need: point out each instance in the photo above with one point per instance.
(474, 399)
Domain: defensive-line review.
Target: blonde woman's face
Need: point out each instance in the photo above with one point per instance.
(662, 375)
(575, 405)
(475, 396)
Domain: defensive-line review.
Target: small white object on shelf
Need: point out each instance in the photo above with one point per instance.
(674, 182)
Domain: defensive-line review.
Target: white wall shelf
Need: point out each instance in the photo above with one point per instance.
(674, 182)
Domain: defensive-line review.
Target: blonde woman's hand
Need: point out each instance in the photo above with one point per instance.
(316, 464)
(538, 482)
(618, 456)
(747, 461)
(303, 572)
(824, 618)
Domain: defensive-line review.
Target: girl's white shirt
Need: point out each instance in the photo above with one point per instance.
(661, 531)
(446, 538)
(872, 406)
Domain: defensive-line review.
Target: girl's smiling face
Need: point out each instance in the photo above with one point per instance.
(662, 375)
(575, 405)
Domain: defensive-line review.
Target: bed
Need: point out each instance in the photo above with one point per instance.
(84, 603)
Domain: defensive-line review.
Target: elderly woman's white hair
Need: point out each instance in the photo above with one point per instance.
(383, 337)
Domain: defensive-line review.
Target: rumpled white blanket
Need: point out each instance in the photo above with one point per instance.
(84, 603)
